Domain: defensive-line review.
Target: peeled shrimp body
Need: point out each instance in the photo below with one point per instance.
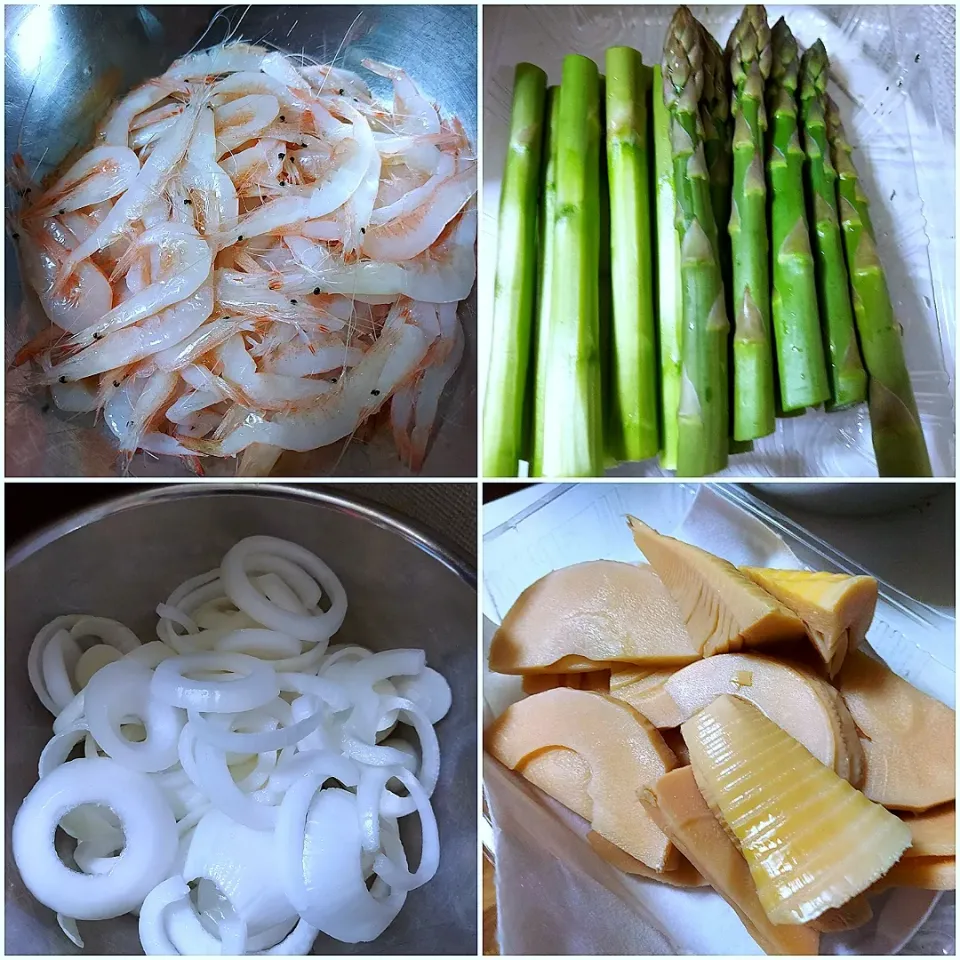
(239, 753)
(225, 214)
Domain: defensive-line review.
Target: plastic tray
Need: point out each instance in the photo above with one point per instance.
(570, 523)
(892, 74)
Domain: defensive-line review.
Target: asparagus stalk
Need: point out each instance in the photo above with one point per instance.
(847, 377)
(703, 409)
(544, 301)
(572, 425)
(898, 440)
(753, 382)
(715, 114)
(669, 313)
(796, 323)
(505, 404)
(633, 379)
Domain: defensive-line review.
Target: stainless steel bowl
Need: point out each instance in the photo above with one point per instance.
(405, 590)
(64, 65)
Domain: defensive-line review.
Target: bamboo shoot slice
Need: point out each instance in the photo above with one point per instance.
(909, 739)
(836, 608)
(812, 841)
(934, 832)
(677, 806)
(723, 610)
(793, 698)
(684, 874)
(924, 873)
(592, 613)
(621, 749)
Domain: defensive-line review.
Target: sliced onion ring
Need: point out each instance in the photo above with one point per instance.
(255, 686)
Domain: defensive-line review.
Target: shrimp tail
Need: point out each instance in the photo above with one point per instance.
(205, 448)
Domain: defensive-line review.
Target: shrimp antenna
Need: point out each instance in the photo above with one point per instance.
(346, 38)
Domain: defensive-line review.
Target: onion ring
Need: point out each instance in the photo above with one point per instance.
(257, 683)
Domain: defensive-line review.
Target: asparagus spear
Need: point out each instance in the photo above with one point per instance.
(669, 313)
(898, 440)
(796, 324)
(847, 376)
(703, 409)
(753, 384)
(715, 114)
(633, 380)
(504, 408)
(544, 302)
(572, 424)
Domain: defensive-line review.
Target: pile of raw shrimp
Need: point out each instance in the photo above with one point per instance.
(241, 781)
(255, 256)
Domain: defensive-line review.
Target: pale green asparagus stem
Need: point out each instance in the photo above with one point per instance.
(669, 310)
(753, 382)
(505, 404)
(572, 430)
(898, 440)
(796, 321)
(703, 411)
(848, 379)
(633, 375)
(544, 301)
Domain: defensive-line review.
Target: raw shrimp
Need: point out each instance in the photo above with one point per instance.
(101, 174)
(115, 131)
(412, 112)
(161, 163)
(81, 302)
(395, 357)
(129, 344)
(414, 230)
(180, 262)
(253, 256)
(414, 407)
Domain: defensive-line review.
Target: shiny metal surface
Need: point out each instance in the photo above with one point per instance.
(405, 589)
(64, 65)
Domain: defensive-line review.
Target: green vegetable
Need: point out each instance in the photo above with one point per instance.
(633, 433)
(669, 311)
(704, 401)
(796, 320)
(898, 440)
(572, 414)
(847, 376)
(753, 379)
(505, 405)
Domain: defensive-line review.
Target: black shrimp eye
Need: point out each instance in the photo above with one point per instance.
(363, 229)
(339, 93)
(294, 302)
(240, 238)
(374, 393)
(283, 119)
(63, 379)
(187, 200)
(316, 290)
(97, 336)
(62, 212)
(280, 156)
(16, 236)
(116, 383)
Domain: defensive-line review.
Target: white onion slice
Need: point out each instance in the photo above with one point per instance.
(153, 912)
(151, 654)
(60, 658)
(92, 660)
(324, 880)
(267, 644)
(69, 926)
(252, 685)
(149, 830)
(298, 943)
(429, 690)
(401, 879)
(262, 742)
(237, 585)
(122, 690)
(35, 657)
(243, 865)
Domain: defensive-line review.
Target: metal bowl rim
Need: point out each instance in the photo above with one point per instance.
(379, 516)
